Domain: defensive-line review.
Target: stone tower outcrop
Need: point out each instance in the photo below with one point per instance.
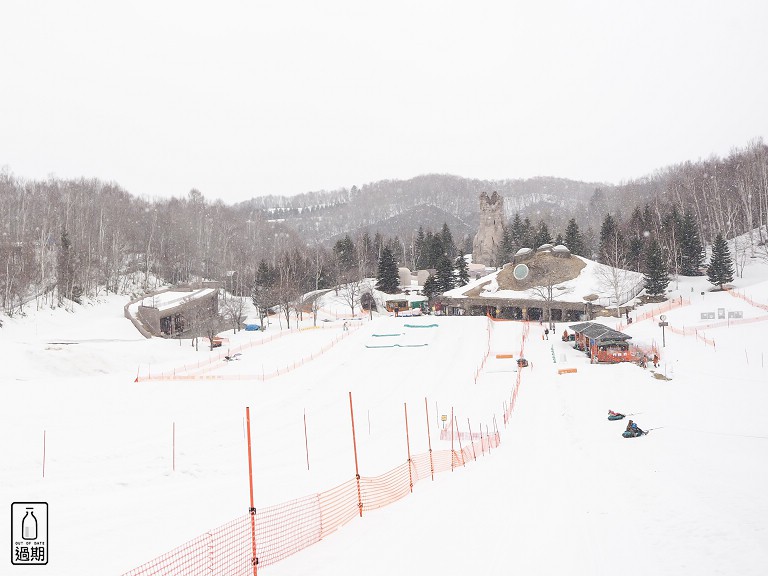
(488, 239)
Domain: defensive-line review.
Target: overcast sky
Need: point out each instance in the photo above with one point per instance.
(242, 99)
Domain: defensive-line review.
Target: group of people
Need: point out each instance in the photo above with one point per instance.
(644, 360)
(632, 429)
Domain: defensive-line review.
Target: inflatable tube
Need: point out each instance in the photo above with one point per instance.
(420, 325)
(616, 417)
(628, 434)
(386, 335)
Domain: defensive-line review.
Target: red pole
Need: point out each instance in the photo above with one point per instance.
(306, 442)
(451, 438)
(488, 437)
(474, 454)
(354, 445)
(461, 450)
(408, 443)
(495, 429)
(429, 441)
(482, 446)
(43, 453)
(252, 510)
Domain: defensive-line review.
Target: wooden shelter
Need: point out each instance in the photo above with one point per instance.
(601, 343)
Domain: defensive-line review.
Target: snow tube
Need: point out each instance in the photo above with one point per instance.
(420, 325)
(616, 417)
(628, 434)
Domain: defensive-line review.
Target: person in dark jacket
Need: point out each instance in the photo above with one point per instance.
(634, 429)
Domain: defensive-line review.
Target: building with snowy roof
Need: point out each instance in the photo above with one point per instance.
(548, 283)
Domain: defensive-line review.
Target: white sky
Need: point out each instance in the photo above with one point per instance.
(241, 99)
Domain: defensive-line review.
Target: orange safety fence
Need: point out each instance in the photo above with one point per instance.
(742, 296)
(656, 311)
(200, 371)
(285, 529)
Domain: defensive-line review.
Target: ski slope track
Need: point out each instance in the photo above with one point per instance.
(135, 469)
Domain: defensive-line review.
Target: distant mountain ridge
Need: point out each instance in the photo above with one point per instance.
(390, 206)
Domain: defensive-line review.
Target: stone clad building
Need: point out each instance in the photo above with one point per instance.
(486, 244)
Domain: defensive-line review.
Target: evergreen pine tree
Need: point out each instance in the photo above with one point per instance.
(265, 275)
(431, 250)
(462, 270)
(573, 238)
(506, 248)
(720, 269)
(526, 237)
(517, 232)
(635, 253)
(612, 249)
(691, 249)
(559, 239)
(656, 275)
(419, 247)
(449, 248)
(430, 289)
(388, 277)
(344, 250)
(444, 276)
(467, 245)
(542, 235)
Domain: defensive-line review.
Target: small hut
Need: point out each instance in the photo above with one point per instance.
(601, 343)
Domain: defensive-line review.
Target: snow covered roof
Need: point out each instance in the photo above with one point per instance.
(599, 332)
(166, 300)
(574, 290)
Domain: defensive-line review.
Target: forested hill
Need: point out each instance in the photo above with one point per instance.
(327, 214)
(63, 239)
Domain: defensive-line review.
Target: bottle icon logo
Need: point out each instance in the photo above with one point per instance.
(29, 533)
(29, 525)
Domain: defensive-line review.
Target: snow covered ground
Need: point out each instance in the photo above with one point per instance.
(564, 493)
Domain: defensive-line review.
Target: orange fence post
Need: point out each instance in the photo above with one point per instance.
(408, 444)
(354, 446)
(429, 441)
(452, 439)
(488, 437)
(306, 442)
(461, 450)
(251, 510)
(471, 438)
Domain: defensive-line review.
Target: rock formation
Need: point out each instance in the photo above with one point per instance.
(488, 239)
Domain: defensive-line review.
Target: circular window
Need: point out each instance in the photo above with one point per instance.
(520, 272)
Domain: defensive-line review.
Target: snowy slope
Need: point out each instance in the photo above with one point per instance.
(564, 493)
